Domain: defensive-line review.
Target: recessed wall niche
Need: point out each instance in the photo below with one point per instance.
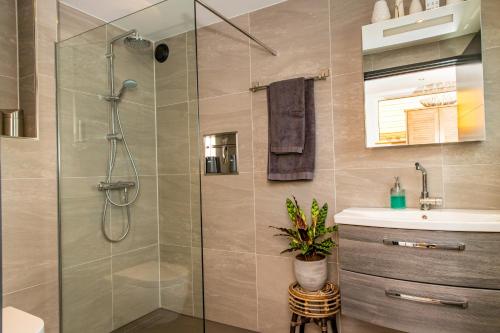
(17, 68)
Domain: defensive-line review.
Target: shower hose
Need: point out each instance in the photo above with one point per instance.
(126, 202)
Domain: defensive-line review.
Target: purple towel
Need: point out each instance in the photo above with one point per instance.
(286, 101)
(296, 166)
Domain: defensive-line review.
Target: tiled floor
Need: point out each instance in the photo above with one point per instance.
(163, 321)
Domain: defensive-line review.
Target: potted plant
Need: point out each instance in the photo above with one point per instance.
(314, 242)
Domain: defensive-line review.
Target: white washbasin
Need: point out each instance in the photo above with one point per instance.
(17, 321)
(435, 219)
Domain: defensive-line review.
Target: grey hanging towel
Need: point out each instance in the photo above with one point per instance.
(296, 166)
(286, 100)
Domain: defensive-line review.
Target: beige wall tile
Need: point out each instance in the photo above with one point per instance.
(171, 76)
(228, 114)
(192, 66)
(346, 19)
(8, 91)
(228, 212)
(27, 102)
(230, 288)
(472, 186)
(174, 207)
(349, 124)
(270, 208)
(303, 48)
(143, 218)
(26, 37)
(173, 139)
(371, 187)
(490, 23)
(41, 301)
(135, 285)
(176, 279)
(8, 39)
(198, 290)
(73, 22)
(86, 289)
(29, 233)
(223, 59)
(274, 315)
(46, 32)
(81, 213)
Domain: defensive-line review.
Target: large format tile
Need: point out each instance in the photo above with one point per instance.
(270, 208)
(143, 217)
(34, 158)
(176, 279)
(29, 233)
(274, 314)
(174, 207)
(171, 76)
(230, 288)
(135, 285)
(347, 18)
(351, 325)
(73, 22)
(304, 49)
(41, 301)
(46, 36)
(87, 298)
(228, 212)
(472, 186)
(83, 125)
(490, 23)
(349, 134)
(371, 187)
(26, 37)
(223, 59)
(80, 221)
(231, 113)
(173, 139)
(8, 39)
(8, 91)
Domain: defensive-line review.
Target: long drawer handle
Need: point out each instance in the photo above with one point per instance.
(425, 245)
(426, 300)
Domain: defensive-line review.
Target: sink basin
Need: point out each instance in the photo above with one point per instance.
(436, 219)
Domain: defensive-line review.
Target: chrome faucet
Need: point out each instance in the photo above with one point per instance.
(425, 201)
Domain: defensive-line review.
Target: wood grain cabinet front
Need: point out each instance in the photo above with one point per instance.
(419, 307)
(462, 259)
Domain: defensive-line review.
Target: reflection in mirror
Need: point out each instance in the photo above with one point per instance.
(424, 77)
(17, 68)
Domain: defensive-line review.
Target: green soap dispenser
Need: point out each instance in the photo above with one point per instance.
(398, 196)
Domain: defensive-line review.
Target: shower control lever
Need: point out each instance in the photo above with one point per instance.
(104, 186)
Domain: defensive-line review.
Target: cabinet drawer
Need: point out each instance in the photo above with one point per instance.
(463, 259)
(419, 307)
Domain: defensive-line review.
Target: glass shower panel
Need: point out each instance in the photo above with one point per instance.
(129, 191)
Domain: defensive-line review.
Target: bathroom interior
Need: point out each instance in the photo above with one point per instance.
(150, 149)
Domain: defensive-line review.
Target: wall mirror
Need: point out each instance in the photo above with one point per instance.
(424, 76)
(17, 68)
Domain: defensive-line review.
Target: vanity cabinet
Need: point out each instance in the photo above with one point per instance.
(421, 280)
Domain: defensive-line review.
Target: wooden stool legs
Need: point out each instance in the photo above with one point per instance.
(322, 323)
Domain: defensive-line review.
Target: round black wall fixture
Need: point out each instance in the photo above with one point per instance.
(161, 52)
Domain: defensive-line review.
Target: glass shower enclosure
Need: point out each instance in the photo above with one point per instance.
(129, 178)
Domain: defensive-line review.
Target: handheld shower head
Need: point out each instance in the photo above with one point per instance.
(127, 84)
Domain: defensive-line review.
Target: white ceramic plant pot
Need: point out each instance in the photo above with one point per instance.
(311, 275)
(381, 11)
(416, 7)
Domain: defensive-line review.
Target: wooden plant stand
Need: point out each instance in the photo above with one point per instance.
(319, 307)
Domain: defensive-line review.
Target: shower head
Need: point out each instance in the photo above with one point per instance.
(127, 84)
(136, 42)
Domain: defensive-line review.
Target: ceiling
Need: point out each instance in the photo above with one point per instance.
(166, 18)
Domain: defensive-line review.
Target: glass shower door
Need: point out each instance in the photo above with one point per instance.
(129, 190)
